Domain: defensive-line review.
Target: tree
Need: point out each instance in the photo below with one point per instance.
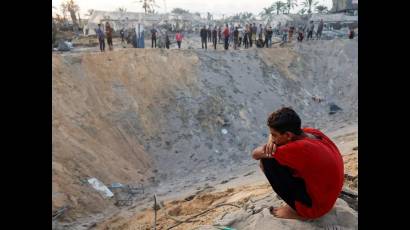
(148, 5)
(208, 16)
(71, 7)
(302, 11)
(279, 6)
(90, 12)
(266, 12)
(122, 9)
(290, 4)
(308, 5)
(321, 9)
(179, 11)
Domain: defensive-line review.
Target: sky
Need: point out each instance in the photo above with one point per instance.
(215, 7)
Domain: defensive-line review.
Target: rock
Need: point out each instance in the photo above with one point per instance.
(340, 217)
(224, 181)
(175, 211)
(189, 198)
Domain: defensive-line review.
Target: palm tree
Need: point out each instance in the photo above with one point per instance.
(308, 4)
(278, 6)
(302, 11)
(321, 9)
(291, 4)
(266, 12)
(148, 5)
(179, 11)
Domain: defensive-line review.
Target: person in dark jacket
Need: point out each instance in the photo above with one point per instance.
(214, 37)
(204, 34)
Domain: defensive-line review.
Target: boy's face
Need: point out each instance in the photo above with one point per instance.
(280, 139)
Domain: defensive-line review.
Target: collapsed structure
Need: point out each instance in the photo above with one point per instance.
(127, 20)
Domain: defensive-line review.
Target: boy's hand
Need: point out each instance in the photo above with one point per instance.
(270, 148)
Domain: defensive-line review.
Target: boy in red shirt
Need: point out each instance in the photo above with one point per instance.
(303, 166)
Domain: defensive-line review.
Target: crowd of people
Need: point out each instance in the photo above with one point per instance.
(236, 37)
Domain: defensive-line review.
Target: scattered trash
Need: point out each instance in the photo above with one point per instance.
(64, 46)
(59, 212)
(334, 108)
(224, 131)
(99, 186)
(117, 185)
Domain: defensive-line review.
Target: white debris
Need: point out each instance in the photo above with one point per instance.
(99, 186)
(224, 131)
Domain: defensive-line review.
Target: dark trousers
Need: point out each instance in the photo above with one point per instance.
(288, 187)
(153, 41)
(310, 35)
(214, 41)
(179, 44)
(250, 41)
(102, 44)
(109, 41)
(226, 43)
(318, 34)
(203, 41)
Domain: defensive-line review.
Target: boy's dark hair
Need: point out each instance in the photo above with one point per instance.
(285, 120)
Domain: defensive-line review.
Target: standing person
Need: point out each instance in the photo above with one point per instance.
(226, 36)
(231, 29)
(203, 33)
(235, 38)
(303, 166)
(246, 37)
(268, 37)
(122, 35)
(108, 32)
(240, 37)
(214, 37)
(291, 30)
(300, 34)
(209, 34)
(101, 38)
(311, 27)
(153, 37)
(219, 34)
(279, 28)
(285, 34)
(254, 29)
(319, 30)
(178, 37)
(261, 30)
(167, 41)
(351, 33)
(126, 35)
